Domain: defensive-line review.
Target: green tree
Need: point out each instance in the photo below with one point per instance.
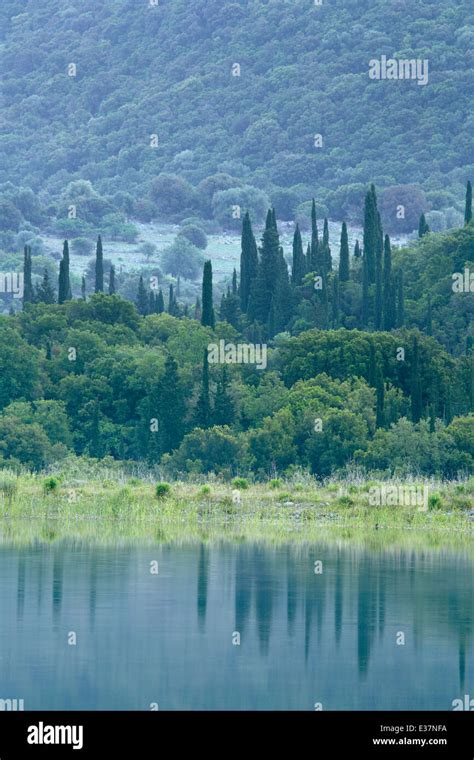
(99, 267)
(203, 406)
(416, 397)
(172, 410)
(45, 291)
(298, 268)
(422, 226)
(207, 317)
(142, 298)
(468, 204)
(28, 293)
(344, 255)
(112, 287)
(388, 306)
(248, 262)
(64, 286)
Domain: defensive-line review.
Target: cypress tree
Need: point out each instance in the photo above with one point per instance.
(160, 302)
(387, 301)
(203, 407)
(64, 285)
(112, 280)
(307, 262)
(172, 409)
(416, 397)
(371, 231)
(45, 291)
(400, 299)
(99, 267)
(151, 302)
(422, 226)
(28, 293)
(49, 350)
(83, 288)
(207, 317)
(224, 412)
(248, 263)
(234, 282)
(298, 268)
(171, 301)
(344, 255)
(357, 252)
(468, 204)
(142, 298)
(271, 270)
(314, 256)
(178, 287)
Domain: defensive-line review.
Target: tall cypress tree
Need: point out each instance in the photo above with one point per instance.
(160, 302)
(357, 252)
(142, 298)
(99, 267)
(268, 272)
(468, 204)
(64, 285)
(422, 226)
(171, 301)
(151, 302)
(314, 257)
(371, 231)
(28, 292)
(207, 316)
(248, 262)
(224, 411)
(372, 371)
(388, 306)
(400, 299)
(344, 255)
(203, 407)
(416, 397)
(298, 268)
(112, 280)
(83, 288)
(234, 282)
(198, 309)
(172, 409)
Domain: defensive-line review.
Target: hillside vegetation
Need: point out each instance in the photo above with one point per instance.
(168, 71)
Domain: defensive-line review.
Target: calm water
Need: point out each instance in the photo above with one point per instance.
(168, 638)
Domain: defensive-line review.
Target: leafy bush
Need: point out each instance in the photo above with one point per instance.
(241, 483)
(50, 485)
(162, 490)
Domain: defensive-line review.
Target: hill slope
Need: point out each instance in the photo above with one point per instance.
(167, 70)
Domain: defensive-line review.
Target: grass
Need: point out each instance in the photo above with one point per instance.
(113, 505)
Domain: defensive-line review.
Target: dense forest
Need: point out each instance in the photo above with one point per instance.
(273, 101)
(368, 363)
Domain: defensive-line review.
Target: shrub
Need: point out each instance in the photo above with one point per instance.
(50, 485)
(205, 491)
(435, 501)
(241, 483)
(162, 490)
(275, 483)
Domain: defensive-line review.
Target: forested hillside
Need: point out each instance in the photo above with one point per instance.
(119, 92)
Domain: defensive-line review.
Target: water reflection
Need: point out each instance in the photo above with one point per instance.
(304, 637)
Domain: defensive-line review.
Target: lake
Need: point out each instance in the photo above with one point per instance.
(126, 626)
